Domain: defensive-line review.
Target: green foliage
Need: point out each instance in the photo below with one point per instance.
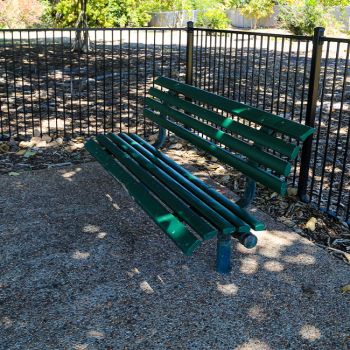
(133, 13)
(257, 9)
(100, 13)
(212, 18)
(103, 13)
(170, 5)
(329, 3)
(303, 17)
(209, 4)
(236, 3)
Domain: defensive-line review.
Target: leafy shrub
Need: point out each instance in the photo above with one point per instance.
(98, 12)
(103, 13)
(303, 17)
(212, 18)
(257, 9)
(20, 13)
(133, 13)
(171, 5)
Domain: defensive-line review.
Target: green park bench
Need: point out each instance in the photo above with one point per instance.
(186, 208)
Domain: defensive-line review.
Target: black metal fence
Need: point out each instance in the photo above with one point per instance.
(46, 86)
(306, 79)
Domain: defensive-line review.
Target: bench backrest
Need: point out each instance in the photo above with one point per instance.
(259, 144)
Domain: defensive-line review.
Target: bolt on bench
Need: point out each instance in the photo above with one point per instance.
(184, 207)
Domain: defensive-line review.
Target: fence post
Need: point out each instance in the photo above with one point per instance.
(189, 53)
(314, 83)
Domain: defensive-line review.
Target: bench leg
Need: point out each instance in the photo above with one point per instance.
(159, 143)
(223, 254)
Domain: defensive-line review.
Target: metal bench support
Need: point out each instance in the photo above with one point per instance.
(223, 253)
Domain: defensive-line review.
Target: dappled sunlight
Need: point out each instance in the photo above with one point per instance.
(115, 205)
(91, 229)
(257, 313)
(310, 332)
(78, 255)
(133, 272)
(80, 346)
(6, 322)
(253, 344)
(273, 266)
(275, 243)
(96, 334)
(249, 265)
(270, 251)
(95, 230)
(145, 287)
(227, 289)
(69, 174)
(160, 279)
(300, 259)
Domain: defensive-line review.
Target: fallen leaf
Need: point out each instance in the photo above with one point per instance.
(311, 224)
(4, 148)
(345, 289)
(292, 191)
(13, 173)
(21, 152)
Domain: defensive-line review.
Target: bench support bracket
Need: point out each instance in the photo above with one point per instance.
(159, 143)
(249, 194)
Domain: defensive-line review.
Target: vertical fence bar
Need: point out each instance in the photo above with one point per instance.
(311, 111)
(189, 53)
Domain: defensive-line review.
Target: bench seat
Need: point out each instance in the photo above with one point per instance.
(186, 208)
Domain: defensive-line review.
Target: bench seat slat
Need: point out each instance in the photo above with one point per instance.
(210, 214)
(260, 138)
(240, 225)
(253, 172)
(177, 232)
(180, 208)
(287, 127)
(280, 166)
(240, 212)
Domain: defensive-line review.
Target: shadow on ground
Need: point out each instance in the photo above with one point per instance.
(82, 267)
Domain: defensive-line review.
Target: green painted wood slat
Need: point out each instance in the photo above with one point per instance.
(270, 161)
(240, 225)
(260, 138)
(180, 208)
(240, 212)
(169, 223)
(255, 173)
(287, 127)
(211, 215)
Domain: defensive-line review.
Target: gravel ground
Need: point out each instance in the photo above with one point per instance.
(82, 267)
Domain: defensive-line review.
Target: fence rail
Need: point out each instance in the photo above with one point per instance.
(46, 86)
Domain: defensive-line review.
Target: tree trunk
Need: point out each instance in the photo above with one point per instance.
(82, 40)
